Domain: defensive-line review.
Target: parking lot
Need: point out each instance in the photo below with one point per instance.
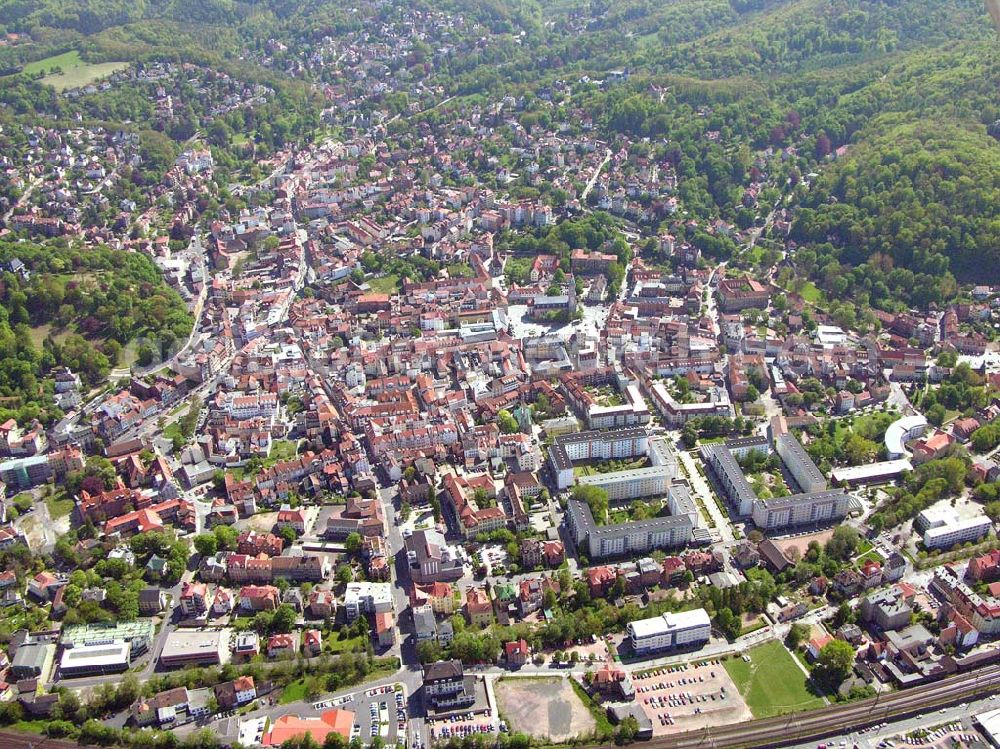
(688, 697)
(377, 712)
(950, 736)
(459, 726)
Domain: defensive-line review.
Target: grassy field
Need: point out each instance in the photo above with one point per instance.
(771, 683)
(75, 72)
(65, 61)
(294, 692)
(335, 644)
(59, 505)
(281, 450)
(810, 293)
(385, 284)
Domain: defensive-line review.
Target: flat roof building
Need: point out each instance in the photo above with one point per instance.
(95, 660)
(670, 631)
(195, 647)
(902, 431)
(33, 660)
(956, 532)
(871, 473)
(989, 724)
(778, 513)
(737, 489)
(367, 598)
(805, 472)
(593, 445)
(636, 537)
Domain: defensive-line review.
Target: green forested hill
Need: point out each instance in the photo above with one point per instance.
(913, 203)
(909, 85)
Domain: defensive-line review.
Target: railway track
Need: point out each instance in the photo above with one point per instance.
(796, 728)
(17, 740)
(784, 730)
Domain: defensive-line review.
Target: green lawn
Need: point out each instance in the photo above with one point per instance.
(810, 293)
(385, 284)
(335, 644)
(75, 72)
(66, 61)
(294, 692)
(950, 415)
(460, 270)
(172, 429)
(596, 467)
(59, 505)
(30, 726)
(281, 450)
(86, 74)
(771, 683)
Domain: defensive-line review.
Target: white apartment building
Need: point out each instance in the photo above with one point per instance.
(800, 465)
(944, 535)
(639, 482)
(670, 631)
(802, 509)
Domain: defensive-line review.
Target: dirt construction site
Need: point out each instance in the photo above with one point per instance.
(688, 697)
(545, 707)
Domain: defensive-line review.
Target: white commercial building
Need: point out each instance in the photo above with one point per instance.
(670, 631)
(367, 598)
(902, 431)
(947, 534)
(95, 659)
(989, 724)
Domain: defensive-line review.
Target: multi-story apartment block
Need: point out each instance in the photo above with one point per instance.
(670, 631)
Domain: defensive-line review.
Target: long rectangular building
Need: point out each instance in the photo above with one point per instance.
(739, 493)
(207, 647)
(779, 513)
(637, 537)
(670, 631)
(638, 482)
(95, 660)
(948, 534)
(594, 445)
(800, 465)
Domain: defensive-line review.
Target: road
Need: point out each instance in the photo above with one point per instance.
(35, 182)
(593, 179)
(871, 738)
(199, 310)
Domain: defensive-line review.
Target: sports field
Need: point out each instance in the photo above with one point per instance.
(772, 682)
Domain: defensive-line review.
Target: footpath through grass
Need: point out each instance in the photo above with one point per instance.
(772, 682)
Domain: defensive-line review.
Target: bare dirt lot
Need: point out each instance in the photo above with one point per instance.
(802, 542)
(545, 707)
(686, 698)
(262, 523)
